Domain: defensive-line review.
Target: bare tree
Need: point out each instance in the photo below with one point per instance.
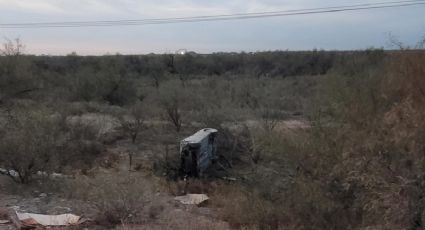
(133, 122)
(12, 48)
(15, 77)
(173, 113)
(269, 118)
(172, 100)
(157, 70)
(156, 78)
(421, 43)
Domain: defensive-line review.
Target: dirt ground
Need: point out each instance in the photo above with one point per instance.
(162, 212)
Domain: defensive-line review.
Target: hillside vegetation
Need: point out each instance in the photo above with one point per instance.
(310, 140)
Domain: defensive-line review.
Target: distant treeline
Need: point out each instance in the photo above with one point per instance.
(122, 79)
(261, 64)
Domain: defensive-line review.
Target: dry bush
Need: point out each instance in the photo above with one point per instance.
(278, 157)
(118, 198)
(269, 118)
(243, 209)
(81, 147)
(180, 221)
(254, 145)
(37, 140)
(167, 164)
(4, 214)
(191, 223)
(83, 107)
(191, 185)
(110, 85)
(365, 168)
(119, 201)
(154, 211)
(234, 146)
(212, 117)
(133, 122)
(29, 143)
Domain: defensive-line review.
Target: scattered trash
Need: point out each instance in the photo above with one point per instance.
(229, 178)
(12, 173)
(34, 220)
(51, 175)
(192, 198)
(43, 195)
(4, 221)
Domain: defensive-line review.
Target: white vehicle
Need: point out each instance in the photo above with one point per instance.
(197, 152)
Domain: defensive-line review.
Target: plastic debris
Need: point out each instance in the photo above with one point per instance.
(192, 198)
(229, 178)
(4, 221)
(12, 173)
(31, 219)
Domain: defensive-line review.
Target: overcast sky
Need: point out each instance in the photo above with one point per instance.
(343, 30)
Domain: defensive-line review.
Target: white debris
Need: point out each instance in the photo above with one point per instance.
(51, 175)
(11, 172)
(229, 178)
(43, 195)
(31, 219)
(4, 221)
(192, 198)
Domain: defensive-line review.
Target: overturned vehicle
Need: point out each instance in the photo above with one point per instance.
(197, 152)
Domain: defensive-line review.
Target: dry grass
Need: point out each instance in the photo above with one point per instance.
(243, 209)
(117, 197)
